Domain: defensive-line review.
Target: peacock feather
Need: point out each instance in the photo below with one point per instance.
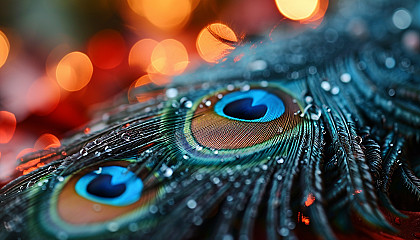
(319, 129)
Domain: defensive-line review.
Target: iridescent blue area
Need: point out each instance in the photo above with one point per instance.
(255, 105)
(112, 185)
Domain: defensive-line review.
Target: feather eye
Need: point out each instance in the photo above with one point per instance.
(94, 200)
(235, 123)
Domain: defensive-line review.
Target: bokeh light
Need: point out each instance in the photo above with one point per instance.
(107, 49)
(169, 57)
(43, 96)
(4, 48)
(215, 41)
(24, 152)
(297, 9)
(159, 79)
(7, 126)
(74, 71)
(142, 96)
(164, 14)
(46, 141)
(141, 53)
(318, 14)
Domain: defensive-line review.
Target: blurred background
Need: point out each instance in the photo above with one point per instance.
(60, 59)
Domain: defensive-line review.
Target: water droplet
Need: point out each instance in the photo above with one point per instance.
(312, 70)
(108, 149)
(309, 99)
(313, 110)
(153, 209)
(291, 225)
(216, 180)
(402, 18)
(230, 87)
(345, 78)
(188, 104)
(208, 103)
(60, 178)
(216, 152)
(83, 152)
(219, 96)
(99, 171)
(335, 90)
(133, 227)
(125, 136)
(171, 92)
(294, 75)
(185, 157)
(326, 85)
(391, 92)
(113, 226)
(199, 148)
(168, 172)
(257, 65)
(227, 237)
(245, 88)
(280, 161)
(191, 204)
(389, 62)
(199, 177)
(284, 231)
(264, 83)
(96, 207)
(197, 220)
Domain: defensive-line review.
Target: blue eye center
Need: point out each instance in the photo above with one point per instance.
(112, 185)
(255, 105)
(243, 109)
(102, 186)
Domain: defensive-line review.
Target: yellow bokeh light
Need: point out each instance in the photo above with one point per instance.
(140, 53)
(318, 14)
(215, 41)
(297, 9)
(4, 48)
(166, 14)
(136, 6)
(169, 57)
(74, 71)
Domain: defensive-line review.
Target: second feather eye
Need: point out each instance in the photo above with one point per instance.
(234, 122)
